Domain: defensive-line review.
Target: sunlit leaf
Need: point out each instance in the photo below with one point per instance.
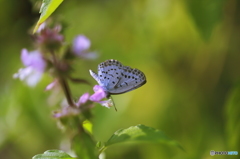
(139, 133)
(87, 125)
(53, 154)
(47, 8)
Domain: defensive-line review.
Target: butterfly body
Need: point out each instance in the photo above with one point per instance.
(115, 78)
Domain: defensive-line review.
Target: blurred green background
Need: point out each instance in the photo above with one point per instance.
(188, 50)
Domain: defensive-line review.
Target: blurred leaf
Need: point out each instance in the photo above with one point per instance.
(84, 146)
(233, 118)
(99, 144)
(206, 14)
(53, 154)
(47, 8)
(139, 133)
(87, 125)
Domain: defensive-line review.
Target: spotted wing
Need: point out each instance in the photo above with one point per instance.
(129, 80)
(109, 73)
(116, 78)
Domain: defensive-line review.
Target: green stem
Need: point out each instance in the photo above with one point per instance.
(102, 149)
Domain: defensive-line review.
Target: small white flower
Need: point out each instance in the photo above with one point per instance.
(29, 75)
(107, 103)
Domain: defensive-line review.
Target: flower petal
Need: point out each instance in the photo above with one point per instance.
(83, 99)
(89, 55)
(33, 59)
(80, 44)
(99, 94)
(33, 78)
(66, 111)
(52, 85)
(106, 103)
(29, 75)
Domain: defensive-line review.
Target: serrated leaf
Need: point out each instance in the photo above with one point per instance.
(53, 154)
(47, 8)
(140, 133)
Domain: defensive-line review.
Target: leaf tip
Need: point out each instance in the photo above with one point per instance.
(36, 27)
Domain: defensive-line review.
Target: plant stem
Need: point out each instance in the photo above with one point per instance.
(66, 91)
(102, 149)
(63, 82)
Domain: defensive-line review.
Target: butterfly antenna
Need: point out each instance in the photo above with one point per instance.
(113, 103)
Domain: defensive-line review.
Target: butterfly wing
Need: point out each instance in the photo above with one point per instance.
(130, 79)
(109, 73)
(95, 76)
(116, 78)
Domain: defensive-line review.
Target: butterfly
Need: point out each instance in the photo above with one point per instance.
(116, 78)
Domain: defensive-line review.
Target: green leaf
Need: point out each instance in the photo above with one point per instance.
(206, 14)
(87, 125)
(233, 118)
(53, 154)
(84, 146)
(47, 8)
(140, 133)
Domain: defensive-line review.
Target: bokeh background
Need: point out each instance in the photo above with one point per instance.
(188, 50)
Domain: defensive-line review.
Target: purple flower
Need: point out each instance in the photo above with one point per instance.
(83, 99)
(99, 94)
(69, 111)
(49, 39)
(33, 59)
(81, 44)
(35, 66)
(52, 85)
(66, 111)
